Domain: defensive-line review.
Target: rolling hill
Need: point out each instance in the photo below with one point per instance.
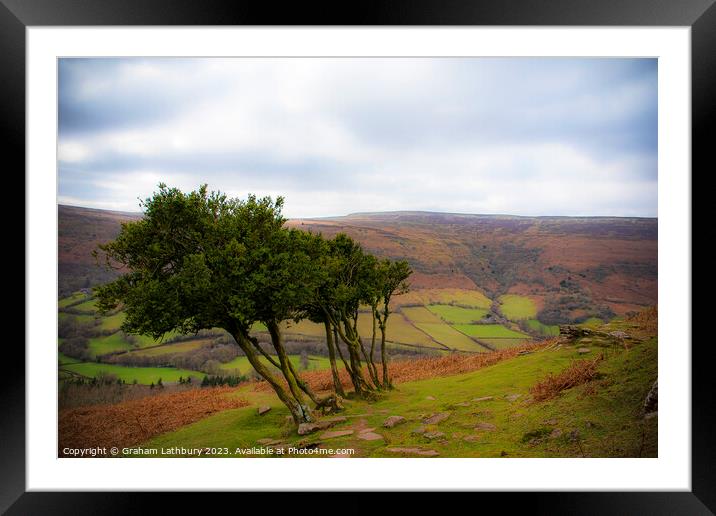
(564, 268)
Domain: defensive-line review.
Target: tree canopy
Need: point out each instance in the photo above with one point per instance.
(201, 260)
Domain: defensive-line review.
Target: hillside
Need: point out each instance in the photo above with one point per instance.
(569, 268)
(454, 406)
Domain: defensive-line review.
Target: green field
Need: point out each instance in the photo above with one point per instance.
(68, 301)
(109, 344)
(84, 319)
(457, 314)
(184, 346)
(145, 375)
(450, 337)
(242, 364)
(543, 329)
(444, 296)
(63, 359)
(420, 314)
(112, 322)
(489, 331)
(88, 307)
(516, 307)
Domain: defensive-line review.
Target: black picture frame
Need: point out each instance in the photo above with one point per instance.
(700, 15)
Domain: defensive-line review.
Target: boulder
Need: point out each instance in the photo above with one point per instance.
(392, 421)
(263, 409)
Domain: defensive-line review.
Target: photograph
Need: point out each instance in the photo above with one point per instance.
(357, 257)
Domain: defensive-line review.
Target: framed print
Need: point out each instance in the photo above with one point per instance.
(435, 248)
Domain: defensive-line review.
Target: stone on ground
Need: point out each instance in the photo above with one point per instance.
(484, 398)
(335, 433)
(263, 409)
(512, 397)
(307, 428)
(430, 398)
(369, 436)
(583, 351)
(485, 426)
(434, 435)
(392, 421)
(436, 418)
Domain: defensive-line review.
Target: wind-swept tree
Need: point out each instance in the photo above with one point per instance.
(392, 281)
(339, 298)
(199, 261)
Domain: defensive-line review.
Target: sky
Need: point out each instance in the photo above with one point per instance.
(519, 136)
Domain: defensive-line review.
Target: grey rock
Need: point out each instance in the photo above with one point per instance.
(392, 421)
(436, 418)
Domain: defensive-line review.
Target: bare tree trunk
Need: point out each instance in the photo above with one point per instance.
(298, 412)
(387, 384)
(286, 367)
(337, 386)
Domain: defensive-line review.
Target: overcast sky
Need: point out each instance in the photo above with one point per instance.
(336, 136)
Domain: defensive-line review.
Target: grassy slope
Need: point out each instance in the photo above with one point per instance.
(144, 375)
(517, 307)
(242, 363)
(604, 414)
(489, 330)
(458, 314)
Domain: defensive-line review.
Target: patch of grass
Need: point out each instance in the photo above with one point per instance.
(444, 296)
(489, 331)
(63, 359)
(517, 307)
(241, 363)
(109, 344)
(84, 319)
(144, 375)
(593, 322)
(452, 338)
(420, 314)
(176, 347)
(112, 322)
(503, 343)
(75, 298)
(539, 433)
(458, 314)
(543, 329)
(88, 307)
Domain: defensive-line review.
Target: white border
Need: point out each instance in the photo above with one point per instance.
(672, 470)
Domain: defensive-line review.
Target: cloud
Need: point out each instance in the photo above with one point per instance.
(522, 136)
